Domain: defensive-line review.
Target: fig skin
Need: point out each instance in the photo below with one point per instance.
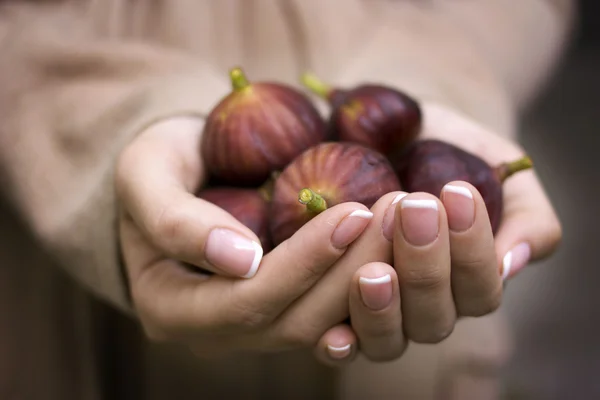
(430, 164)
(376, 116)
(249, 206)
(336, 172)
(256, 129)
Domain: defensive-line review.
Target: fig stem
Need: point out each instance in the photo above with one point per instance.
(508, 169)
(238, 79)
(314, 202)
(315, 85)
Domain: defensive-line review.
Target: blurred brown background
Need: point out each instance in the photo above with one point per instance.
(554, 305)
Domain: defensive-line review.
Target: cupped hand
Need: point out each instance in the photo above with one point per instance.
(530, 229)
(447, 264)
(163, 226)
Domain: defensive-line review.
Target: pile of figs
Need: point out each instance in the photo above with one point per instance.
(274, 162)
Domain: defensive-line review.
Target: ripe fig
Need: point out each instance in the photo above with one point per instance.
(324, 176)
(373, 115)
(249, 206)
(258, 128)
(430, 164)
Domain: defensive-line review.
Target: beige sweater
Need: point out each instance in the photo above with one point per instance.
(79, 79)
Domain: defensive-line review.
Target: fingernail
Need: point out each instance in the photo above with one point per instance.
(460, 207)
(389, 216)
(515, 260)
(350, 228)
(233, 253)
(376, 293)
(419, 221)
(339, 353)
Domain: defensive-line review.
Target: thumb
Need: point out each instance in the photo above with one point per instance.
(156, 177)
(530, 228)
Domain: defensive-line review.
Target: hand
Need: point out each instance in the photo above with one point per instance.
(364, 286)
(446, 260)
(530, 229)
(162, 224)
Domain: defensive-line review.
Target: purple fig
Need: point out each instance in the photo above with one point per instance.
(256, 129)
(324, 176)
(430, 164)
(376, 116)
(249, 206)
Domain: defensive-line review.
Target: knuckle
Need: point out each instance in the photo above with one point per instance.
(309, 262)
(167, 225)
(425, 280)
(431, 336)
(247, 317)
(379, 329)
(473, 265)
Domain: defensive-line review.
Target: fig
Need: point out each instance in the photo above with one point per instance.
(430, 164)
(249, 206)
(376, 116)
(323, 176)
(258, 128)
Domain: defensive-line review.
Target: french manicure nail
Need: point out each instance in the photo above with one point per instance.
(350, 228)
(515, 260)
(233, 253)
(389, 216)
(420, 223)
(376, 293)
(339, 353)
(460, 207)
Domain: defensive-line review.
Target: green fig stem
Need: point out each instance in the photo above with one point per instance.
(315, 85)
(506, 170)
(314, 202)
(238, 79)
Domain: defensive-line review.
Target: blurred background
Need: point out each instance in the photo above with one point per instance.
(554, 305)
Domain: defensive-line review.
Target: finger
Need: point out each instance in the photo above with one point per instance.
(184, 304)
(327, 303)
(156, 176)
(422, 261)
(337, 347)
(530, 229)
(294, 266)
(476, 284)
(375, 312)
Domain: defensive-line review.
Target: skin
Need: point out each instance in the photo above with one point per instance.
(433, 286)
